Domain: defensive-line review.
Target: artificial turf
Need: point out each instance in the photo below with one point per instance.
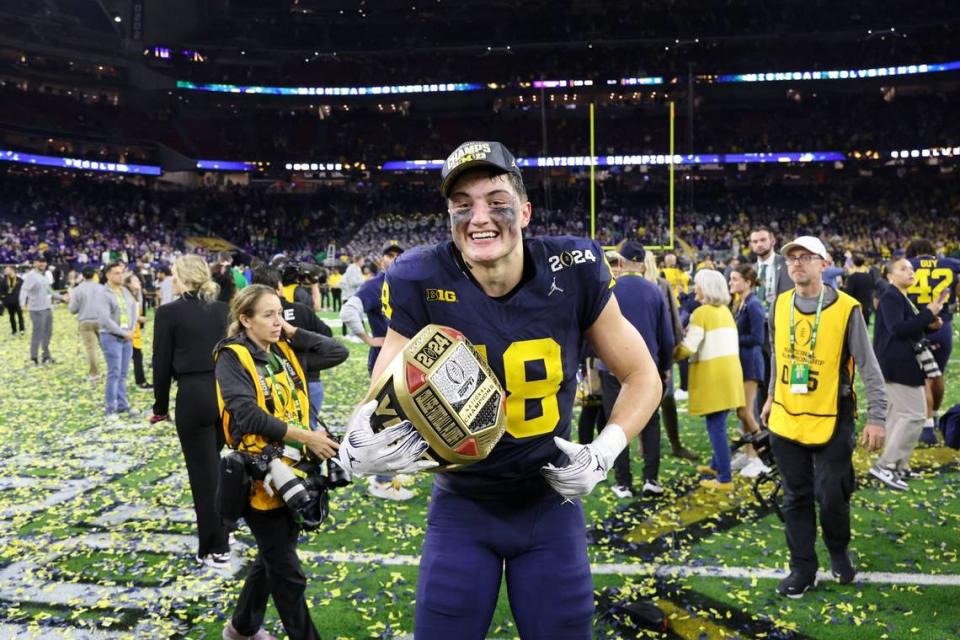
(51, 432)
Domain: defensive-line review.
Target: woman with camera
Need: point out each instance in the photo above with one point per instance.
(265, 407)
(906, 362)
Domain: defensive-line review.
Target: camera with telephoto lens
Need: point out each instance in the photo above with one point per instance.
(760, 441)
(928, 364)
(306, 498)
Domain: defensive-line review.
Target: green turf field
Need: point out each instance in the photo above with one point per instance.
(95, 528)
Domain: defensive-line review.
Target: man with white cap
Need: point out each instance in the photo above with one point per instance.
(817, 334)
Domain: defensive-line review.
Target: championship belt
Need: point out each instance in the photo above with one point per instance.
(444, 387)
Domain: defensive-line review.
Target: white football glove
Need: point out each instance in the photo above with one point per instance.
(396, 449)
(588, 465)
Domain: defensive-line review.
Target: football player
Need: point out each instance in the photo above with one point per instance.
(528, 305)
(368, 299)
(934, 277)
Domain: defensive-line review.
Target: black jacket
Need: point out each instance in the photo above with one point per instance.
(240, 394)
(303, 317)
(185, 332)
(860, 285)
(10, 295)
(896, 330)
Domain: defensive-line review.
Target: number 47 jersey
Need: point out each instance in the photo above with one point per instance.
(532, 338)
(932, 275)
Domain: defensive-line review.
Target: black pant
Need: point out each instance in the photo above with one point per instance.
(592, 419)
(276, 572)
(649, 437)
(15, 311)
(337, 294)
(201, 439)
(822, 474)
(138, 375)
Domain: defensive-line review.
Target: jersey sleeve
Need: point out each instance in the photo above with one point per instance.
(402, 294)
(370, 293)
(597, 285)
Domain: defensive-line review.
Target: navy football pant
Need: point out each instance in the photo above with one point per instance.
(941, 342)
(542, 544)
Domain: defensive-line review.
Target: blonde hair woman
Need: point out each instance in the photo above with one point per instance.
(191, 274)
(185, 332)
(716, 379)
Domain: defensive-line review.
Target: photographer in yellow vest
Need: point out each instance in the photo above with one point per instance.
(817, 335)
(262, 392)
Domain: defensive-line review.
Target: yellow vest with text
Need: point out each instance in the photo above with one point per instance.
(810, 418)
(283, 407)
(288, 292)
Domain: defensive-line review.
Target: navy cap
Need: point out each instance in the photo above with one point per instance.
(471, 155)
(633, 251)
(391, 245)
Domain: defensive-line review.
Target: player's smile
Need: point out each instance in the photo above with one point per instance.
(486, 218)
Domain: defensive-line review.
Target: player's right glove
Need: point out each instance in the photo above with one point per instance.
(396, 449)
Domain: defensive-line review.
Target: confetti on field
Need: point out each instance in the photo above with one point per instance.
(97, 536)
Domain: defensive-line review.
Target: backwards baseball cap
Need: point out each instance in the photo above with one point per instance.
(391, 245)
(810, 243)
(633, 251)
(471, 155)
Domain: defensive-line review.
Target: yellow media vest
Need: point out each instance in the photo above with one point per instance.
(284, 407)
(810, 418)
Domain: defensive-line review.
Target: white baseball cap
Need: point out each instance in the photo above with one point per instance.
(810, 243)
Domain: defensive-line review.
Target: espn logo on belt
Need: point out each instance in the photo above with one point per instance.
(441, 295)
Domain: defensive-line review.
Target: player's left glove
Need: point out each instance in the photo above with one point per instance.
(588, 464)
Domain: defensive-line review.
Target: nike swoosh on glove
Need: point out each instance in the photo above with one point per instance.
(588, 464)
(396, 449)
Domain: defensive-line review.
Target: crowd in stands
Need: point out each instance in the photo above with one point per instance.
(77, 221)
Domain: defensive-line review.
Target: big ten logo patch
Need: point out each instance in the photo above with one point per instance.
(570, 258)
(441, 295)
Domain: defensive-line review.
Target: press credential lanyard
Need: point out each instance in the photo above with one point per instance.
(274, 360)
(800, 372)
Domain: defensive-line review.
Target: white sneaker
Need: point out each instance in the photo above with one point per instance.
(680, 394)
(621, 491)
(888, 477)
(352, 338)
(739, 461)
(404, 479)
(215, 560)
(652, 487)
(387, 490)
(754, 468)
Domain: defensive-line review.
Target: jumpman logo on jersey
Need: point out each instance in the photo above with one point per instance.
(554, 287)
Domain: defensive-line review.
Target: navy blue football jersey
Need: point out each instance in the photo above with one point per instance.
(532, 338)
(370, 295)
(932, 275)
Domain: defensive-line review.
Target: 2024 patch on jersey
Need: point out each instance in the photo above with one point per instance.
(532, 338)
